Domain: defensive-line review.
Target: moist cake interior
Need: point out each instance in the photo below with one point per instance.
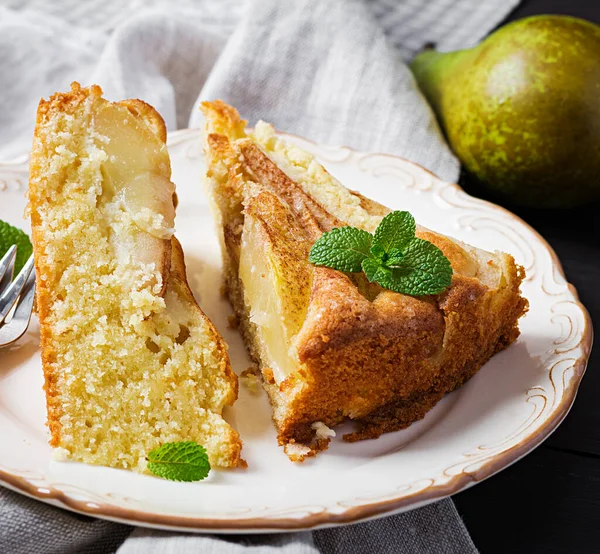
(130, 360)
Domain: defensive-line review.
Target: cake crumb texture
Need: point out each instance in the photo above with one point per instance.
(130, 360)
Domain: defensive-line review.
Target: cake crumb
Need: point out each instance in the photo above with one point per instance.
(233, 322)
(322, 431)
(268, 375)
(297, 452)
(250, 379)
(60, 454)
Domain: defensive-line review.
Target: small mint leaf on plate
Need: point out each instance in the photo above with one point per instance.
(343, 248)
(396, 230)
(10, 235)
(179, 461)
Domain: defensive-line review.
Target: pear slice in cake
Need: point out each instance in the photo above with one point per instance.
(331, 346)
(130, 360)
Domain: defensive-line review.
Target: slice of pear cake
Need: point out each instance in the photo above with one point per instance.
(130, 360)
(332, 346)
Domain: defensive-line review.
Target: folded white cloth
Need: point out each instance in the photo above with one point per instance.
(330, 70)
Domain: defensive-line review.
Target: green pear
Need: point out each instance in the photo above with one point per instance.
(521, 110)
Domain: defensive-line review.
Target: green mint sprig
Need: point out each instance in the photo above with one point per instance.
(10, 235)
(393, 257)
(179, 461)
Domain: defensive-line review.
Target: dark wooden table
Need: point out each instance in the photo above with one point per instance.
(549, 502)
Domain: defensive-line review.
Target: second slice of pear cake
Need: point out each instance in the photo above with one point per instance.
(130, 360)
(332, 346)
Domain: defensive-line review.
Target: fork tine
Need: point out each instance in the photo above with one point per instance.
(17, 326)
(11, 294)
(7, 265)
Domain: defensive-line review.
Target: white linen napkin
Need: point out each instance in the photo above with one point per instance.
(329, 70)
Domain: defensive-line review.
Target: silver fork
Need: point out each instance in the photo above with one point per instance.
(16, 297)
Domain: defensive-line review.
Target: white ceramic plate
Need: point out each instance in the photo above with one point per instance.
(507, 409)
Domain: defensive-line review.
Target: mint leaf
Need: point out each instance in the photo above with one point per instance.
(394, 258)
(371, 267)
(377, 252)
(343, 248)
(179, 461)
(375, 271)
(387, 259)
(10, 235)
(396, 230)
(423, 270)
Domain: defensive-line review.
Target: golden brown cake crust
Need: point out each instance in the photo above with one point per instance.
(377, 357)
(173, 268)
